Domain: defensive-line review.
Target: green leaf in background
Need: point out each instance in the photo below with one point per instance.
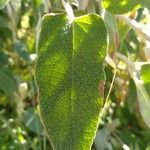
(5, 21)
(32, 121)
(145, 73)
(69, 71)
(148, 148)
(3, 60)
(7, 82)
(143, 93)
(21, 50)
(112, 29)
(144, 102)
(3, 3)
(101, 140)
(124, 6)
(132, 96)
(123, 30)
(145, 76)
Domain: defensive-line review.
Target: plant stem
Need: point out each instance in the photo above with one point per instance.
(44, 140)
(111, 86)
(83, 4)
(130, 65)
(97, 6)
(68, 9)
(47, 6)
(113, 65)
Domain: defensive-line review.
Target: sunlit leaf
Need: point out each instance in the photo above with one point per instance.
(148, 148)
(124, 6)
(145, 76)
(69, 70)
(145, 73)
(123, 30)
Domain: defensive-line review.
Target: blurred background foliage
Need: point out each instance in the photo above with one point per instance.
(125, 117)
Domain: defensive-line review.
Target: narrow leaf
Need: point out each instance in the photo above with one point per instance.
(68, 72)
(132, 96)
(112, 29)
(144, 102)
(143, 93)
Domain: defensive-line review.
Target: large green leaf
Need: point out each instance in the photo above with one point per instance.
(124, 6)
(3, 3)
(69, 73)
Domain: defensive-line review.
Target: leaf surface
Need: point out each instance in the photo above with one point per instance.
(69, 70)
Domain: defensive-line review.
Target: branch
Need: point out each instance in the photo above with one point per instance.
(68, 9)
(130, 64)
(83, 4)
(47, 6)
(113, 65)
(111, 86)
(137, 27)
